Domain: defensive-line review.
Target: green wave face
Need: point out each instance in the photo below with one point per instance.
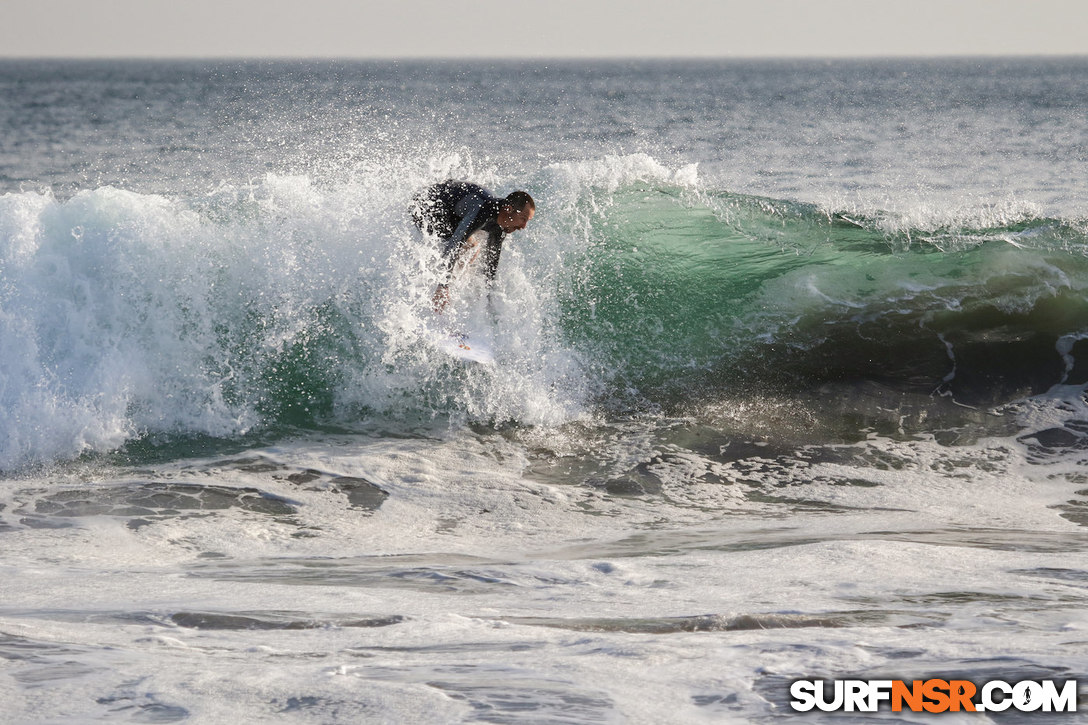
(683, 294)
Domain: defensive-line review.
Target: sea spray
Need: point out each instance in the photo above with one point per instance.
(760, 414)
(291, 304)
(295, 303)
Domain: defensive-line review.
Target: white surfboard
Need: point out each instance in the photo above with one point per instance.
(466, 347)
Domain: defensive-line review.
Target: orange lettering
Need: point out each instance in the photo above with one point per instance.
(935, 691)
(961, 692)
(911, 695)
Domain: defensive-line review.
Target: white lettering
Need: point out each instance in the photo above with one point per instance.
(1064, 701)
(879, 690)
(855, 695)
(993, 696)
(988, 702)
(821, 697)
(804, 695)
(1027, 696)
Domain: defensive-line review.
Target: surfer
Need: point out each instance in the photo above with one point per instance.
(455, 211)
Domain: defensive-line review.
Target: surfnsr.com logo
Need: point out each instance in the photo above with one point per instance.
(933, 695)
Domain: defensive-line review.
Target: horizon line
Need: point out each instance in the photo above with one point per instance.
(551, 58)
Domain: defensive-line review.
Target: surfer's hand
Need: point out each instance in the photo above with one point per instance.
(441, 298)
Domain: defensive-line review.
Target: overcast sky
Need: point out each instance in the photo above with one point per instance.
(541, 28)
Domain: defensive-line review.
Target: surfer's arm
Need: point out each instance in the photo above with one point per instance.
(455, 247)
(491, 255)
(491, 267)
(467, 209)
(441, 297)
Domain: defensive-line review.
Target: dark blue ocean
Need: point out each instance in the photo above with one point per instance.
(790, 383)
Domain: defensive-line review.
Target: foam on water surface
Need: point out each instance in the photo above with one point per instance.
(791, 386)
(461, 586)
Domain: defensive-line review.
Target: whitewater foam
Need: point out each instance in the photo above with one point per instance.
(690, 481)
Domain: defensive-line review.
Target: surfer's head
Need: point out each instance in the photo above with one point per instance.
(516, 211)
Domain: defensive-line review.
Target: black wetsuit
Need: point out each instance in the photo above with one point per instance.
(454, 211)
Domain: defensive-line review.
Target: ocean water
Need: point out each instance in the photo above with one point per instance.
(790, 385)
